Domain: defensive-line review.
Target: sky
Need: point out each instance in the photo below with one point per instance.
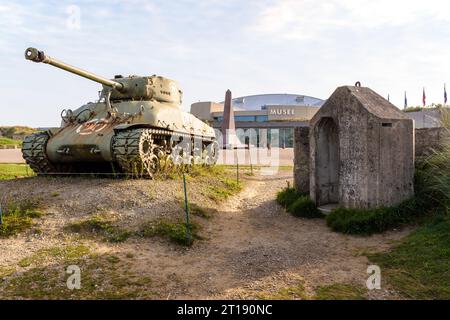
(306, 47)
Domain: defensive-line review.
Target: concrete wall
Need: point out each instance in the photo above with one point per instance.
(391, 162)
(428, 139)
(301, 159)
(203, 110)
(428, 118)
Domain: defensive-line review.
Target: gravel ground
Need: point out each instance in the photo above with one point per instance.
(251, 244)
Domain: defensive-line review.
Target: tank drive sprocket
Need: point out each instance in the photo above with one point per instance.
(33, 151)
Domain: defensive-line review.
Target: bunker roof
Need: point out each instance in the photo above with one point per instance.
(369, 100)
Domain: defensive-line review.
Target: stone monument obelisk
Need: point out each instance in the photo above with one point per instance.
(230, 139)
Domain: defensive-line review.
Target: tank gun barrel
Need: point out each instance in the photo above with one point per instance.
(35, 55)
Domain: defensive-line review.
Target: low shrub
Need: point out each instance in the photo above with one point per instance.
(432, 179)
(287, 197)
(370, 221)
(304, 207)
(298, 204)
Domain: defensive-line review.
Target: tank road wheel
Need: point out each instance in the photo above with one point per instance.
(34, 153)
(134, 152)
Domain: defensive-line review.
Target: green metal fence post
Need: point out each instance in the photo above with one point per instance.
(186, 203)
(237, 171)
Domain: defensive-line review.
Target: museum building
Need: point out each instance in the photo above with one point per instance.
(266, 114)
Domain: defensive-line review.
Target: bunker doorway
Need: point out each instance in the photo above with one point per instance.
(327, 162)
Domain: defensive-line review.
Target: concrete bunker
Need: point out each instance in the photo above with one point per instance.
(361, 151)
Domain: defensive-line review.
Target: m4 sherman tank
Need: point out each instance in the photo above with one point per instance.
(136, 128)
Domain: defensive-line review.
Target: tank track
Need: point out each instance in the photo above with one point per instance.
(33, 151)
(136, 152)
(148, 152)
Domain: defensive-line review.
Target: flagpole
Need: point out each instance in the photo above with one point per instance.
(405, 104)
(445, 95)
(423, 109)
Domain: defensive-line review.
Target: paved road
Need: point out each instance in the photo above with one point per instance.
(263, 157)
(258, 156)
(11, 156)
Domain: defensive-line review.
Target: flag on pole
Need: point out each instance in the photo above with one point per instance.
(445, 94)
(424, 98)
(406, 101)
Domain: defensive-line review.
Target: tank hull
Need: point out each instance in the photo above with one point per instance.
(139, 138)
(91, 141)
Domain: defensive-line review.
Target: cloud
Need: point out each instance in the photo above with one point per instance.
(308, 19)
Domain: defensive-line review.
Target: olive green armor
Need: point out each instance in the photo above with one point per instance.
(137, 128)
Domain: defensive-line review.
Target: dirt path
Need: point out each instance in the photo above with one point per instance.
(251, 246)
(254, 246)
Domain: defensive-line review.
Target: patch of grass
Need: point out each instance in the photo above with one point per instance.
(18, 217)
(6, 271)
(100, 225)
(419, 267)
(331, 292)
(203, 171)
(67, 253)
(227, 188)
(340, 291)
(174, 231)
(9, 142)
(291, 293)
(199, 211)
(10, 171)
(102, 277)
